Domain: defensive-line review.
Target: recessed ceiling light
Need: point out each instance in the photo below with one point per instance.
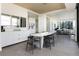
(44, 3)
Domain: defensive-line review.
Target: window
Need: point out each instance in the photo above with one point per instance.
(8, 20)
(67, 25)
(5, 20)
(14, 21)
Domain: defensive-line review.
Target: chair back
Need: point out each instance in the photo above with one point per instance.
(30, 38)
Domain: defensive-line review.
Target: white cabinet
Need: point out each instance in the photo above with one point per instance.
(9, 38)
(22, 36)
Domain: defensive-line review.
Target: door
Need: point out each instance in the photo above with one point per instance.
(77, 7)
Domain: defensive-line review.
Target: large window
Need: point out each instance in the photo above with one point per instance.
(9, 20)
(14, 21)
(67, 25)
(5, 20)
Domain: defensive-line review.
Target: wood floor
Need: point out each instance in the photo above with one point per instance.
(64, 46)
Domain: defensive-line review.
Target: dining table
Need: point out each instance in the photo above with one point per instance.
(42, 34)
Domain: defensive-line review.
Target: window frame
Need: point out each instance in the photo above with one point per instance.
(10, 19)
(17, 20)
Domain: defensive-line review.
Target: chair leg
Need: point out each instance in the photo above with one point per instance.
(32, 48)
(53, 41)
(50, 46)
(40, 44)
(26, 46)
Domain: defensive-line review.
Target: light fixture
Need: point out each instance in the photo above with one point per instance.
(44, 3)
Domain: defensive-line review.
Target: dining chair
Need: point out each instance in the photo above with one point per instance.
(49, 41)
(32, 42)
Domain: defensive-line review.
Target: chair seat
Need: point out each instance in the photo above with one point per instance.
(48, 41)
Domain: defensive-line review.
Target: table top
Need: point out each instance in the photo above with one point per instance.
(43, 34)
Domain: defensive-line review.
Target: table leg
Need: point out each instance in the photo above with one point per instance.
(42, 39)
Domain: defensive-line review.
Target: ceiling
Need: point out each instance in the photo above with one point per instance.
(42, 7)
(64, 14)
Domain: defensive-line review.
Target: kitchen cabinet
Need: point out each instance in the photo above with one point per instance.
(9, 38)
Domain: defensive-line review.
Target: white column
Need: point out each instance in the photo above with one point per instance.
(76, 27)
(0, 28)
(42, 23)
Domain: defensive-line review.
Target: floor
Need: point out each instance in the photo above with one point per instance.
(64, 46)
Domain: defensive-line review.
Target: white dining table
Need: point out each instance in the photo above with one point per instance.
(42, 36)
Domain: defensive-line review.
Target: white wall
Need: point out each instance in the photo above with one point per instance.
(32, 21)
(53, 20)
(42, 23)
(0, 28)
(12, 9)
